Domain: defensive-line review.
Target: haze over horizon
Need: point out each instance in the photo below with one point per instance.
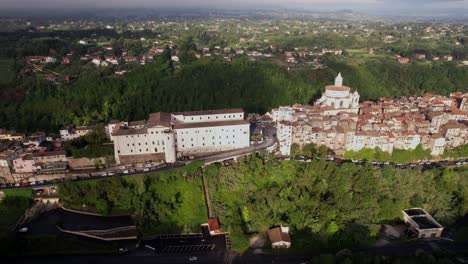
(359, 5)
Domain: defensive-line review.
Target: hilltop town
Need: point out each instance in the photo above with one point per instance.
(338, 122)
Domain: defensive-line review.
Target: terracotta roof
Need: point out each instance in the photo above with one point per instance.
(338, 88)
(276, 235)
(136, 123)
(213, 224)
(127, 132)
(211, 112)
(49, 153)
(211, 124)
(159, 119)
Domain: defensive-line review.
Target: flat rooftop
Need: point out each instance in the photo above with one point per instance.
(421, 218)
(415, 211)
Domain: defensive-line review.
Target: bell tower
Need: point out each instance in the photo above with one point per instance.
(339, 80)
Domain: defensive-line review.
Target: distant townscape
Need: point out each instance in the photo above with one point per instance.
(338, 122)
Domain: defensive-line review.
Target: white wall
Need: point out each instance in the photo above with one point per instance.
(215, 138)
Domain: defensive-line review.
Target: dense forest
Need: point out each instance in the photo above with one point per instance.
(325, 205)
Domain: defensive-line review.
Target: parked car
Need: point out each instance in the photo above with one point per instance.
(17, 185)
(32, 183)
(23, 230)
(110, 174)
(25, 184)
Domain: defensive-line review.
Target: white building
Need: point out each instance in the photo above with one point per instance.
(339, 98)
(70, 133)
(166, 135)
(283, 113)
(284, 135)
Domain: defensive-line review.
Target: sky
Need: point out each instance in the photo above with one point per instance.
(310, 4)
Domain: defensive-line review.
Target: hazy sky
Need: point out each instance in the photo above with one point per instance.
(319, 4)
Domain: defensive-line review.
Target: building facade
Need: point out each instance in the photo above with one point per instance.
(338, 121)
(164, 136)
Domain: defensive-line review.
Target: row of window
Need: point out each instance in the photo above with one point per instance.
(208, 131)
(146, 143)
(209, 117)
(229, 143)
(203, 138)
(155, 150)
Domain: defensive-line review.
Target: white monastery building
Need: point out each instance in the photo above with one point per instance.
(164, 136)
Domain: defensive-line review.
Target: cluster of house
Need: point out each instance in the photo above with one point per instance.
(338, 121)
(166, 136)
(420, 224)
(422, 56)
(21, 156)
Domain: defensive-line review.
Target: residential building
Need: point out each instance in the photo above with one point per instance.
(71, 132)
(24, 164)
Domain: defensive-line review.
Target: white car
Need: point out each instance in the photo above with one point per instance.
(110, 174)
(17, 184)
(23, 230)
(146, 169)
(32, 183)
(193, 258)
(125, 172)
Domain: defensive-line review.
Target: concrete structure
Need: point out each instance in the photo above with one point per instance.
(24, 164)
(70, 132)
(50, 157)
(421, 223)
(6, 165)
(279, 237)
(165, 135)
(284, 135)
(283, 113)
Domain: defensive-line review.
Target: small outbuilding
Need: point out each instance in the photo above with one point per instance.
(279, 237)
(422, 224)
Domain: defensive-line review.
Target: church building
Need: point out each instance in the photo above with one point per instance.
(338, 98)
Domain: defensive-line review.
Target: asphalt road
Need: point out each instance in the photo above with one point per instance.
(119, 172)
(399, 250)
(240, 152)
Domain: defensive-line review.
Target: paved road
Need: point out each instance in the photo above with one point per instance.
(240, 152)
(399, 250)
(85, 176)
